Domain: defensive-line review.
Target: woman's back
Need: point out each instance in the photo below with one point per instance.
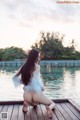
(35, 83)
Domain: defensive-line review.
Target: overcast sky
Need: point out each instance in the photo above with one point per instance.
(22, 20)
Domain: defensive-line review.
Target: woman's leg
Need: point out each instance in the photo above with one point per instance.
(33, 98)
(41, 98)
(25, 106)
(27, 96)
(27, 99)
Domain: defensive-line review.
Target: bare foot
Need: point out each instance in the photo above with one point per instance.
(25, 107)
(49, 112)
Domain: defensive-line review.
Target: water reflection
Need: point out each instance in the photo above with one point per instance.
(59, 83)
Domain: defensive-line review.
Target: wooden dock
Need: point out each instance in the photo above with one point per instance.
(65, 109)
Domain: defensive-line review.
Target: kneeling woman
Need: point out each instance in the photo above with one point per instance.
(33, 85)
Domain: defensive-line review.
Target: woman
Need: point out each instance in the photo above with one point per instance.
(33, 85)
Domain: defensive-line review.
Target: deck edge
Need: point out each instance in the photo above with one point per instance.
(11, 102)
(60, 100)
(21, 101)
(77, 106)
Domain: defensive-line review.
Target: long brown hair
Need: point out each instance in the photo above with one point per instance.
(29, 66)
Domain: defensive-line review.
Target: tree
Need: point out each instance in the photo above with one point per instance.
(13, 53)
(50, 44)
(1, 54)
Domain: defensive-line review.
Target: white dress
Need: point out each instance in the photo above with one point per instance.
(36, 83)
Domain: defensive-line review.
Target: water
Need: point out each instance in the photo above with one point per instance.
(59, 83)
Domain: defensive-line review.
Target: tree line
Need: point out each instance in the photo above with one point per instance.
(50, 44)
(12, 53)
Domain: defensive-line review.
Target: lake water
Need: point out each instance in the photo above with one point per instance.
(59, 83)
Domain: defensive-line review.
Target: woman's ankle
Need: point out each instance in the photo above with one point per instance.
(49, 112)
(25, 106)
(52, 106)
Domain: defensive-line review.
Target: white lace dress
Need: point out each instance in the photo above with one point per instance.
(36, 83)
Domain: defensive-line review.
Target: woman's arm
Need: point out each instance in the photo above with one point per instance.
(17, 80)
(18, 72)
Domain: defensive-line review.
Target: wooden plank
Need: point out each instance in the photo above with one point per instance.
(15, 113)
(44, 112)
(76, 112)
(54, 116)
(27, 115)
(74, 104)
(5, 107)
(39, 113)
(4, 111)
(69, 112)
(58, 114)
(33, 113)
(10, 109)
(20, 113)
(1, 107)
(63, 112)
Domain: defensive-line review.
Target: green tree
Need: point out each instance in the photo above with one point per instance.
(1, 54)
(13, 53)
(51, 44)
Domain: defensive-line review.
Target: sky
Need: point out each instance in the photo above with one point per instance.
(21, 21)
